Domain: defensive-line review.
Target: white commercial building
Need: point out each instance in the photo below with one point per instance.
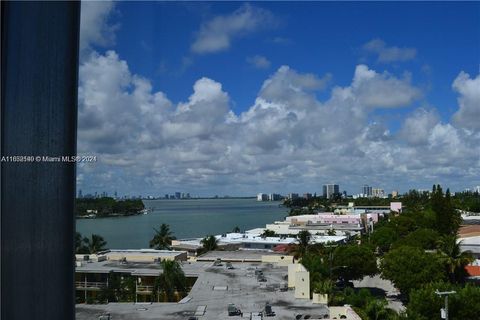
(262, 197)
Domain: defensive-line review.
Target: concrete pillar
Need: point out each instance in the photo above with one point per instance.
(39, 62)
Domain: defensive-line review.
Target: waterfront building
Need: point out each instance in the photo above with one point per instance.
(252, 239)
(262, 197)
(292, 196)
(330, 189)
(93, 271)
(211, 280)
(274, 197)
(178, 195)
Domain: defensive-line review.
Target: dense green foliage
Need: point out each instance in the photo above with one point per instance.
(411, 268)
(424, 304)
(365, 304)
(107, 206)
(447, 218)
(423, 238)
(121, 288)
(467, 201)
(353, 262)
(454, 259)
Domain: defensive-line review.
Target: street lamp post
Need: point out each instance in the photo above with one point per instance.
(445, 293)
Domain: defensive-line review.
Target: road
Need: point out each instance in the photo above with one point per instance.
(385, 287)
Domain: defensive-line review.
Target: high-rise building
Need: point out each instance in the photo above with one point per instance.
(394, 193)
(330, 189)
(262, 197)
(178, 195)
(307, 195)
(292, 196)
(378, 193)
(274, 197)
(80, 195)
(367, 190)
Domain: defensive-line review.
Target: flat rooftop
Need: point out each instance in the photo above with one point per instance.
(107, 266)
(149, 252)
(214, 289)
(239, 238)
(239, 255)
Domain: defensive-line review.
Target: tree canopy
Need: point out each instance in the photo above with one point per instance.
(353, 262)
(425, 304)
(411, 268)
(107, 206)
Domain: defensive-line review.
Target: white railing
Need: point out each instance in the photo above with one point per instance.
(144, 288)
(90, 285)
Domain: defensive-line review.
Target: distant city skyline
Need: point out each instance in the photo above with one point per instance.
(267, 195)
(240, 98)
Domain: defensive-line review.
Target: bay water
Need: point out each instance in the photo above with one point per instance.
(193, 218)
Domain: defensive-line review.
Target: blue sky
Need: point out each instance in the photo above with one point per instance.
(412, 53)
(321, 37)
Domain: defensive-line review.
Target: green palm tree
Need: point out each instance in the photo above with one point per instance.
(171, 280)
(80, 247)
(162, 240)
(95, 243)
(455, 259)
(331, 232)
(268, 233)
(209, 243)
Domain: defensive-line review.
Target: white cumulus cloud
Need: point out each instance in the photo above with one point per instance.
(287, 140)
(95, 28)
(468, 116)
(217, 34)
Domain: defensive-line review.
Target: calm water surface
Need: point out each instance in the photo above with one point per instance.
(187, 218)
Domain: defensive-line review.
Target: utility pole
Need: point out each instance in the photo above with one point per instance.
(444, 314)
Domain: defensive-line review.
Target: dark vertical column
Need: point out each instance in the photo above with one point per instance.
(39, 61)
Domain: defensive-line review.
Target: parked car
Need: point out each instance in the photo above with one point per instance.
(342, 284)
(268, 310)
(234, 311)
(229, 266)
